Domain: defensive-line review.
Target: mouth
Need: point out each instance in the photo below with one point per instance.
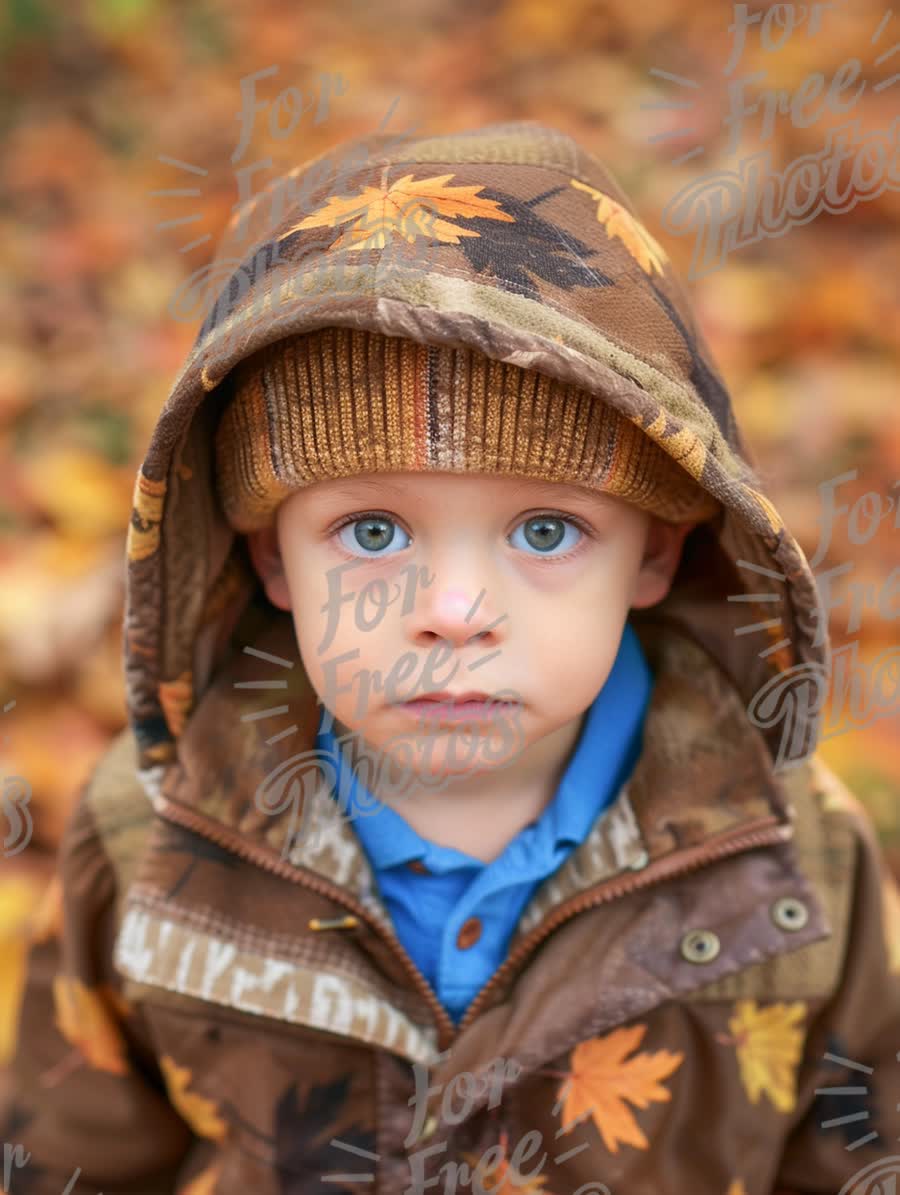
(455, 707)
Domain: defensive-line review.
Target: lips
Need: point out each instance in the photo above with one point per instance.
(445, 709)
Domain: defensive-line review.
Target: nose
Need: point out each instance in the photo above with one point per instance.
(456, 613)
(453, 603)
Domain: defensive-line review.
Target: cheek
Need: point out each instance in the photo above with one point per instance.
(573, 599)
(317, 637)
(574, 655)
(570, 631)
(339, 654)
(599, 576)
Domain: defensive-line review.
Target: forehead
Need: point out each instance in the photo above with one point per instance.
(406, 486)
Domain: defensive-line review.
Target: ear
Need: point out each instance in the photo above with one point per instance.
(265, 553)
(662, 554)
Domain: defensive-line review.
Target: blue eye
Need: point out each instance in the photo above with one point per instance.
(372, 534)
(546, 532)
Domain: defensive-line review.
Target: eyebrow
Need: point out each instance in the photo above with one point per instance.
(566, 493)
(355, 489)
(540, 489)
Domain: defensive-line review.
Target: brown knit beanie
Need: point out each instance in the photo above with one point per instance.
(340, 401)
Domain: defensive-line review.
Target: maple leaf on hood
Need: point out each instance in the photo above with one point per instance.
(409, 208)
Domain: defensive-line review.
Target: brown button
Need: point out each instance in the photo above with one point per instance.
(419, 866)
(469, 933)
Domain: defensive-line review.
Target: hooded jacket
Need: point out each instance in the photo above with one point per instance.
(704, 998)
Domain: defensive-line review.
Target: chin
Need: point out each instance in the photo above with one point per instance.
(454, 749)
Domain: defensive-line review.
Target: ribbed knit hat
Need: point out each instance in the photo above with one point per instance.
(340, 401)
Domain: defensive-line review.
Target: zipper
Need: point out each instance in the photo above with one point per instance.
(765, 831)
(231, 841)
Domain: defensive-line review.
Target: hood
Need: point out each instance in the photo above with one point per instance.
(514, 240)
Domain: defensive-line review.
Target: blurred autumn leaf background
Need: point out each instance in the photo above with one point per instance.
(100, 96)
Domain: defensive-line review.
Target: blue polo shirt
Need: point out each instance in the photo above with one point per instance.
(428, 909)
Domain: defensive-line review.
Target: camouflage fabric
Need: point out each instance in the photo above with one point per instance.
(704, 998)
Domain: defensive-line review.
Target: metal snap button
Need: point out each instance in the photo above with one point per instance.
(790, 913)
(700, 946)
(428, 1128)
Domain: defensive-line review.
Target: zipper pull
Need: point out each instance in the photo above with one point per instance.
(347, 922)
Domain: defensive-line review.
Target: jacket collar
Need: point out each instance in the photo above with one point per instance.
(702, 795)
(704, 770)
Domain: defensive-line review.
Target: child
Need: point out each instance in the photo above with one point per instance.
(610, 925)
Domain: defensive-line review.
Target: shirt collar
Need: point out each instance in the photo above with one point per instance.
(605, 753)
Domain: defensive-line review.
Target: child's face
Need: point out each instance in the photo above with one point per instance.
(500, 584)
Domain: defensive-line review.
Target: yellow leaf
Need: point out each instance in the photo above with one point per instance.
(687, 449)
(80, 491)
(773, 518)
(147, 499)
(409, 208)
(12, 968)
(769, 1047)
(18, 892)
(199, 1112)
(602, 1080)
(84, 1018)
(619, 222)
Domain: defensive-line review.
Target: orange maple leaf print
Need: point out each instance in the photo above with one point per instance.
(769, 1048)
(601, 1080)
(408, 208)
(619, 222)
(85, 1017)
